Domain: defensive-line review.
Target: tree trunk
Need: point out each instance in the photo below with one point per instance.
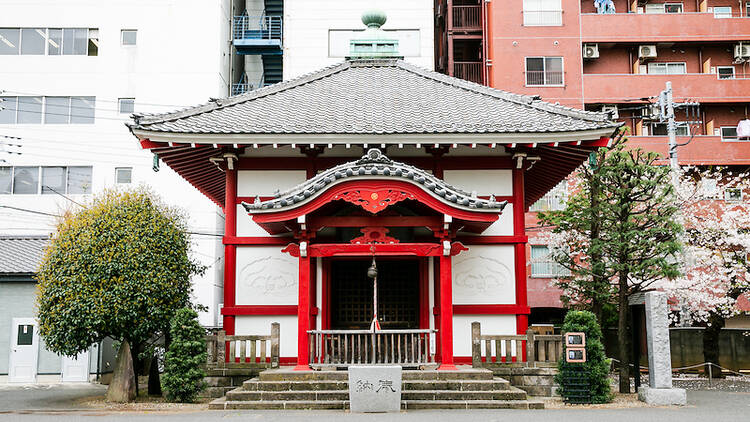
(623, 334)
(154, 382)
(595, 254)
(122, 387)
(711, 343)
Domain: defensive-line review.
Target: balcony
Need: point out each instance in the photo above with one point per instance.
(702, 150)
(662, 27)
(257, 34)
(702, 87)
(467, 18)
(470, 71)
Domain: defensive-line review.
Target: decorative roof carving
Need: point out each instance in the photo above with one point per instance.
(375, 166)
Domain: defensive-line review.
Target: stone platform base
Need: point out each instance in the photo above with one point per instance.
(663, 396)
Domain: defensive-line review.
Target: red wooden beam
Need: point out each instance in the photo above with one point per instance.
(405, 221)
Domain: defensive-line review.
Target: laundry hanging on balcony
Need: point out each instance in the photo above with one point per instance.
(604, 6)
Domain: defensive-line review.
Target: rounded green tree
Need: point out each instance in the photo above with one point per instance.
(118, 268)
(592, 375)
(183, 364)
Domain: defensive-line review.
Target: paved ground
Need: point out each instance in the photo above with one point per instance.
(58, 403)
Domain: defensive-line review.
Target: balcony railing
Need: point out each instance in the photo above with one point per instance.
(544, 78)
(258, 27)
(470, 71)
(662, 27)
(408, 348)
(542, 17)
(702, 87)
(467, 17)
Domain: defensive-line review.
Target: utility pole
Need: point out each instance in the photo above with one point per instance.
(666, 105)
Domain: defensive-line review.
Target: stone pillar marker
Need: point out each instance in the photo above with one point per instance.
(659, 390)
(374, 388)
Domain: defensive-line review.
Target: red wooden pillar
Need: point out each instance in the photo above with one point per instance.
(519, 229)
(303, 315)
(230, 251)
(446, 314)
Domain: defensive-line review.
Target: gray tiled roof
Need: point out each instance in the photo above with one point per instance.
(375, 97)
(21, 254)
(375, 165)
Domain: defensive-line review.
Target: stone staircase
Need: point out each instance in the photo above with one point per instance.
(466, 388)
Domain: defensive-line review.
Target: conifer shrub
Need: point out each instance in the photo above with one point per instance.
(594, 372)
(184, 360)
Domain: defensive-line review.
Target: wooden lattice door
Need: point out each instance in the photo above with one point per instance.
(351, 294)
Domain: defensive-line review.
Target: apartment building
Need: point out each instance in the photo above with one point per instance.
(71, 73)
(611, 56)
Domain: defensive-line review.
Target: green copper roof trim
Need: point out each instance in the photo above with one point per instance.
(373, 43)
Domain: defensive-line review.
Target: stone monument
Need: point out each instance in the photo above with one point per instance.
(374, 388)
(659, 390)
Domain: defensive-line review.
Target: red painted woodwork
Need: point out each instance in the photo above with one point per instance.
(415, 191)
(427, 163)
(316, 223)
(260, 310)
(230, 251)
(374, 201)
(446, 315)
(379, 249)
(510, 309)
(519, 229)
(374, 235)
(303, 315)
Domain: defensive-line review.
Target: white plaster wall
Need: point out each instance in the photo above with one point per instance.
(484, 275)
(306, 26)
(181, 59)
(245, 224)
(483, 182)
(490, 324)
(504, 224)
(266, 182)
(266, 276)
(261, 325)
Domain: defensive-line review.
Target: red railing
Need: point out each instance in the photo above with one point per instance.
(467, 17)
(470, 71)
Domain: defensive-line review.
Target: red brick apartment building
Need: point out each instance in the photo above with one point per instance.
(566, 51)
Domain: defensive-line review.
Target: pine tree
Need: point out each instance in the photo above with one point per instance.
(596, 367)
(183, 368)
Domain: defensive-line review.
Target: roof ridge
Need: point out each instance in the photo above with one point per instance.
(217, 104)
(527, 100)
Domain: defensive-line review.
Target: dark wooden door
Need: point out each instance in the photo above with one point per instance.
(351, 294)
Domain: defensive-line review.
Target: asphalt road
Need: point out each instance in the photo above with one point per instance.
(703, 406)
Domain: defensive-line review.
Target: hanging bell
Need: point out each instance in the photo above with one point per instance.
(372, 272)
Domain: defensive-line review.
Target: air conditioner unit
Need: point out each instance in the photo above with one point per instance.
(742, 51)
(612, 110)
(647, 51)
(591, 51)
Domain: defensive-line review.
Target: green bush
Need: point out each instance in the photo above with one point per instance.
(596, 367)
(183, 367)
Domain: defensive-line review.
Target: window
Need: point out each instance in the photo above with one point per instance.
(554, 200)
(660, 129)
(10, 41)
(544, 71)
(123, 175)
(747, 9)
(675, 68)
(54, 180)
(49, 41)
(25, 180)
(725, 72)
(47, 110)
(729, 133)
(126, 105)
(733, 194)
(663, 8)
(542, 265)
(128, 36)
(722, 12)
(542, 13)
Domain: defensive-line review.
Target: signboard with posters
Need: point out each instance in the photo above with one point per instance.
(575, 347)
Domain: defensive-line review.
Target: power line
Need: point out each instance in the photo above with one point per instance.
(29, 211)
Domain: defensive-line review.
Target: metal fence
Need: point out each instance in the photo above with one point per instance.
(258, 27)
(467, 17)
(544, 77)
(470, 71)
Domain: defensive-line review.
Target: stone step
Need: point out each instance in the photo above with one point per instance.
(222, 404)
(335, 395)
(256, 384)
(291, 375)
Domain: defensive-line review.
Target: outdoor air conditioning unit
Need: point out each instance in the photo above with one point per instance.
(591, 51)
(647, 51)
(612, 110)
(742, 51)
